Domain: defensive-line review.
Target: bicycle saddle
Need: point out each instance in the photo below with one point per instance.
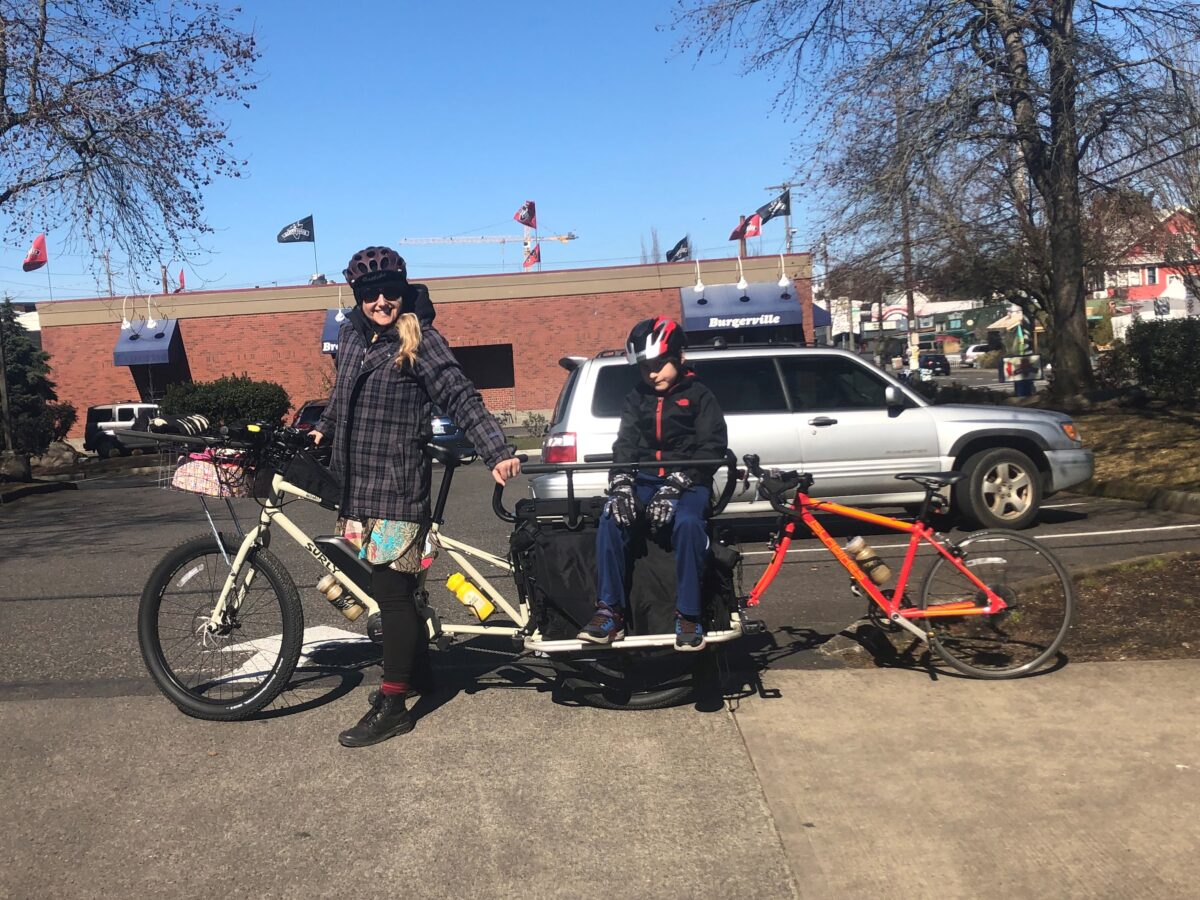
(931, 480)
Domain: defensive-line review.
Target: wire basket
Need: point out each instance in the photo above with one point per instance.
(211, 472)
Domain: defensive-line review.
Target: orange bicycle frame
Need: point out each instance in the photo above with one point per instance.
(802, 509)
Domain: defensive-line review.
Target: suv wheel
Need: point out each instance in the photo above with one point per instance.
(1003, 489)
(108, 450)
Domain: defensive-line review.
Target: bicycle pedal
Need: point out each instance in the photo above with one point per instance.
(753, 626)
(855, 589)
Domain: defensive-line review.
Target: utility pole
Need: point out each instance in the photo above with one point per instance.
(787, 217)
(163, 272)
(108, 271)
(742, 239)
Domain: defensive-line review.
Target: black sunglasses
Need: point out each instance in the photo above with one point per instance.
(368, 292)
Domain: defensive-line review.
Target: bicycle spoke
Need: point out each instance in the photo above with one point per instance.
(1022, 637)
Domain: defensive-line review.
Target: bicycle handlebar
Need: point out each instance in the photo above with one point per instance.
(591, 464)
(773, 484)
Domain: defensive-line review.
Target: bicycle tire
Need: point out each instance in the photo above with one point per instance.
(1017, 641)
(178, 598)
(630, 679)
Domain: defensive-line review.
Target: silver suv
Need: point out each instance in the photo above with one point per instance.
(833, 414)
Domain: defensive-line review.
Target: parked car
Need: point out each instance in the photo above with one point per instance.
(971, 353)
(445, 432)
(832, 414)
(934, 362)
(103, 419)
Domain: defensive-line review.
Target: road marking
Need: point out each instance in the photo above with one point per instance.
(266, 650)
(1040, 537)
(1064, 505)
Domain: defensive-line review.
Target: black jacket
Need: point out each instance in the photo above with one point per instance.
(683, 423)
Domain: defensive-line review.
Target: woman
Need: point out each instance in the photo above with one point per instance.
(392, 367)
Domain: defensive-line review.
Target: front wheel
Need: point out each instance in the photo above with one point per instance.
(1027, 633)
(1002, 489)
(233, 668)
(631, 679)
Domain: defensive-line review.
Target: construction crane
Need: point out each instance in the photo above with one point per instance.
(491, 239)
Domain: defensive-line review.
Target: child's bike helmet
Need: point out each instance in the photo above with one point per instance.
(655, 340)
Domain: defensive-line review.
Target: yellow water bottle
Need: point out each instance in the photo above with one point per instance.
(864, 554)
(470, 596)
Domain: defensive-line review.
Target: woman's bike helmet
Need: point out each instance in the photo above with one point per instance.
(376, 266)
(654, 341)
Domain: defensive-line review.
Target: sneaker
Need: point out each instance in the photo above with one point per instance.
(386, 718)
(689, 635)
(607, 625)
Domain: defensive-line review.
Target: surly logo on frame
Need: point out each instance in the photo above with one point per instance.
(320, 557)
(742, 321)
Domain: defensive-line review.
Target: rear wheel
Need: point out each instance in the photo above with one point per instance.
(1024, 636)
(631, 679)
(236, 668)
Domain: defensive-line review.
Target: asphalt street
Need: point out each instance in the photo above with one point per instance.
(75, 562)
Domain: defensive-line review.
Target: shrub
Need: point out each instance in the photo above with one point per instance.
(1163, 356)
(536, 424)
(1113, 369)
(234, 398)
(989, 360)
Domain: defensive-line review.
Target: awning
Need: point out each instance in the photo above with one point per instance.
(144, 345)
(725, 306)
(329, 334)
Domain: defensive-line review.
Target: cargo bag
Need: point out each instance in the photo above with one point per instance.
(554, 566)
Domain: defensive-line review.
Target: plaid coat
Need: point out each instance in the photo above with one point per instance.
(379, 416)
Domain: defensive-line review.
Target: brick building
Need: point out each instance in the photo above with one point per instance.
(508, 330)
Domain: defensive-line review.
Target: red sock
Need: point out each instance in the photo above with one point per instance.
(393, 688)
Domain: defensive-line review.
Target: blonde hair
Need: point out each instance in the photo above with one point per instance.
(409, 328)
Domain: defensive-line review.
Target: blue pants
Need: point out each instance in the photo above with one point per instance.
(689, 540)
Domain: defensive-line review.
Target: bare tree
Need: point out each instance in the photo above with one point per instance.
(1039, 85)
(110, 117)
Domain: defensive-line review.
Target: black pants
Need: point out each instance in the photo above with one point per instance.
(405, 642)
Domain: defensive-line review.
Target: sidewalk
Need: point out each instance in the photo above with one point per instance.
(1080, 783)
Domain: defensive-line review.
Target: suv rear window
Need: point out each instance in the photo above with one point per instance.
(748, 385)
(97, 414)
(564, 396)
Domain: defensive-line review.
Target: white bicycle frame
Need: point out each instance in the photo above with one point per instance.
(236, 584)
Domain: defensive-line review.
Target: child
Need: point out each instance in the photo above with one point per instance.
(669, 416)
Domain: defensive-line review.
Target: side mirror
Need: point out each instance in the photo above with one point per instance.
(893, 398)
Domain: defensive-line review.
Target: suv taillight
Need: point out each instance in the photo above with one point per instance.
(559, 448)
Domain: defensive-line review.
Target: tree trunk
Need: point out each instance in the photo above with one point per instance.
(1068, 310)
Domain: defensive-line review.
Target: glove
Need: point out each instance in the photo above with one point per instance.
(661, 508)
(621, 505)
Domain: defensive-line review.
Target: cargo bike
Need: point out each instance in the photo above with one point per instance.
(221, 622)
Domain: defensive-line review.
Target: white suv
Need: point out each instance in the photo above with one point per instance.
(834, 415)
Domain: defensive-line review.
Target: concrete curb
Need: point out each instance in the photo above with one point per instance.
(1150, 496)
(25, 489)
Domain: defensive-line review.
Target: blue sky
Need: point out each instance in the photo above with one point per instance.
(403, 119)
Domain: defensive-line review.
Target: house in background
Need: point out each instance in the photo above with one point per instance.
(1145, 282)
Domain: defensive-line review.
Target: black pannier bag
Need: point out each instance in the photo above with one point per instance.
(306, 473)
(555, 569)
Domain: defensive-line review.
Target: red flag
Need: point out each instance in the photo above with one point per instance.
(527, 214)
(182, 287)
(533, 257)
(37, 256)
(751, 227)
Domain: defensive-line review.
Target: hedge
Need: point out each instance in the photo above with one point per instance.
(1163, 354)
(234, 398)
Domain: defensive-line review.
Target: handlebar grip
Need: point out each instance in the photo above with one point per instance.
(498, 505)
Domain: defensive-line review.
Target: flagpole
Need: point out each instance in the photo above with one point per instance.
(49, 286)
(316, 265)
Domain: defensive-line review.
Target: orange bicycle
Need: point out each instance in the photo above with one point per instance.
(996, 604)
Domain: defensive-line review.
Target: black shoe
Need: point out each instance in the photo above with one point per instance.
(386, 718)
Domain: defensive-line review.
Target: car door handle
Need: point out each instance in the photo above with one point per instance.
(822, 421)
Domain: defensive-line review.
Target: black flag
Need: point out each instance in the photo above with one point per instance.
(298, 232)
(680, 252)
(780, 206)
